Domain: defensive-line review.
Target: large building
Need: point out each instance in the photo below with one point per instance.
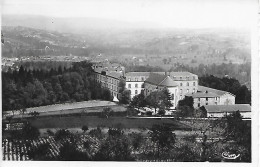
(186, 81)
(208, 96)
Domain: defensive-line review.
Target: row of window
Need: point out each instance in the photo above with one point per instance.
(206, 104)
(187, 91)
(188, 84)
(208, 98)
(184, 77)
(129, 85)
(136, 92)
(136, 79)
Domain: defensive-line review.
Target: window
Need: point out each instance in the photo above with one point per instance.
(172, 96)
(193, 91)
(180, 78)
(206, 103)
(180, 90)
(198, 104)
(207, 98)
(198, 99)
(180, 97)
(136, 85)
(180, 84)
(142, 78)
(136, 92)
(188, 84)
(194, 77)
(194, 83)
(129, 85)
(187, 90)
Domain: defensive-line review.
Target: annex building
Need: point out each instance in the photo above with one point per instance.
(217, 111)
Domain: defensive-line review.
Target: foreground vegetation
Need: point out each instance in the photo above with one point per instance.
(158, 143)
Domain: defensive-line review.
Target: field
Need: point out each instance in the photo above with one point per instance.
(93, 121)
(66, 107)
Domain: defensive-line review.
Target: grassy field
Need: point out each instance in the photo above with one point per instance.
(93, 121)
(68, 107)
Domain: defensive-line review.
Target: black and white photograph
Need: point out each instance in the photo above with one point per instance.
(162, 82)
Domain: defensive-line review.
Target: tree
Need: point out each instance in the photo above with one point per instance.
(138, 101)
(30, 132)
(34, 114)
(238, 130)
(185, 107)
(69, 152)
(163, 138)
(153, 100)
(159, 99)
(96, 133)
(107, 112)
(61, 134)
(40, 152)
(125, 97)
(137, 140)
(22, 111)
(115, 148)
(84, 128)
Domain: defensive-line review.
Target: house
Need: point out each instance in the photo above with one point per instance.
(224, 110)
(157, 82)
(209, 96)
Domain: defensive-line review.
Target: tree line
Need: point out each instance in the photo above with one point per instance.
(32, 88)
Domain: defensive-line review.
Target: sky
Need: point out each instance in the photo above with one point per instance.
(166, 13)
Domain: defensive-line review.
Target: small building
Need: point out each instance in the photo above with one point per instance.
(208, 96)
(218, 111)
(157, 82)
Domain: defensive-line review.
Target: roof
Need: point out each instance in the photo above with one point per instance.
(181, 74)
(203, 94)
(114, 74)
(218, 92)
(155, 78)
(168, 82)
(161, 80)
(228, 108)
(134, 74)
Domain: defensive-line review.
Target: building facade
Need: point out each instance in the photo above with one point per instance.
(109, 75)
(135, 82)
(218, 111)
(187, 82)
(208, 96)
